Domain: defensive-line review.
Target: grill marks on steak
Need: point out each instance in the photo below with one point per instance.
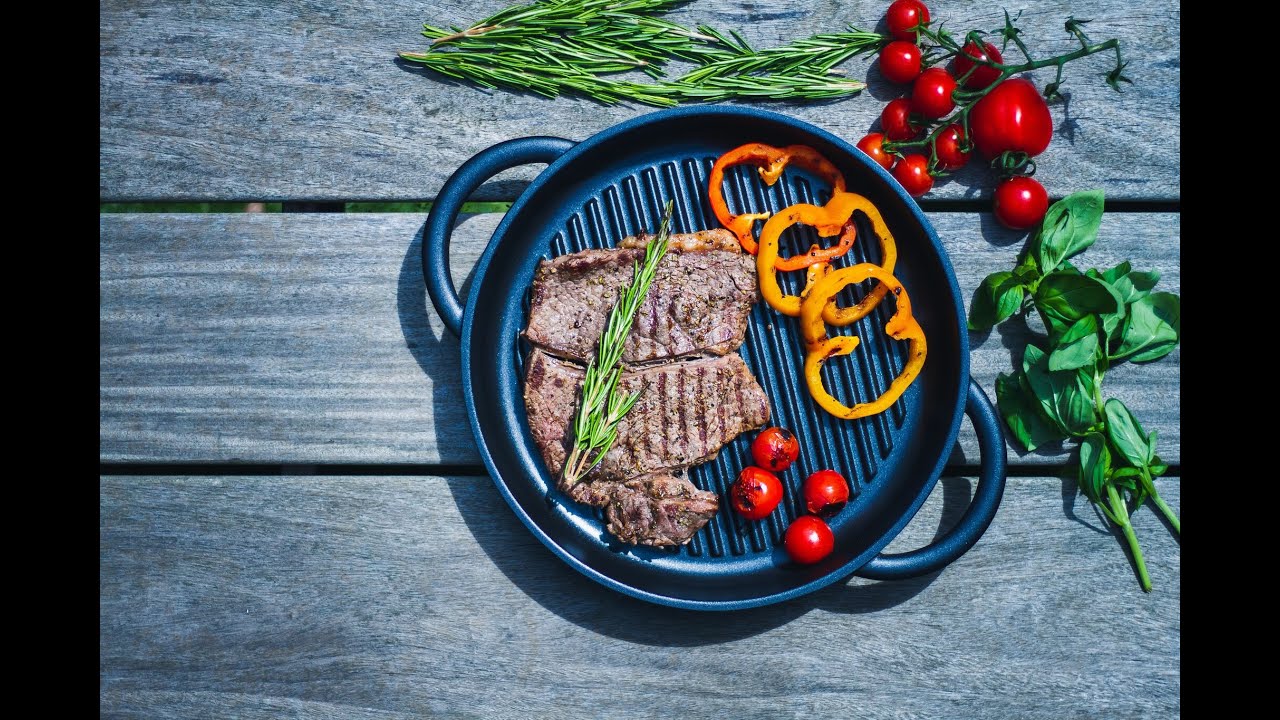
(655, 510)
(699, 302)
(686, 412)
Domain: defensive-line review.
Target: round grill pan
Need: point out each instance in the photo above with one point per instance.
(615, 184)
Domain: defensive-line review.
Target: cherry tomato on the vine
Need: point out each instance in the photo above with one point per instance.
(826, 492)
(1021, 202)
(948, 148)
(900, 61)
(873, 146)
(775, 449)
(931, 93)
(912, 172)
(1012, 116)
(903, 16)
(809, 539)
(755, 493)
(896, 120)
(985, 74)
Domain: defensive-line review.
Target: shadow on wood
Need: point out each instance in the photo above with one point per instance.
(574, 597)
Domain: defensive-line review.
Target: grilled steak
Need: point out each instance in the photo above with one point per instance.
(699, 301)
(685, 413)
(658, 509)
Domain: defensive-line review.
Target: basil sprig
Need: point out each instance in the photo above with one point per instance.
(1095, 320)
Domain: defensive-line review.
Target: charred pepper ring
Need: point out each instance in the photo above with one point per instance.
(819, 348)
(771, 161)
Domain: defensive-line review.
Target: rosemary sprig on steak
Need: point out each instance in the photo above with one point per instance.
(603, 406)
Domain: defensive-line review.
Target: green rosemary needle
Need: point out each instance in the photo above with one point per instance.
(603, 405)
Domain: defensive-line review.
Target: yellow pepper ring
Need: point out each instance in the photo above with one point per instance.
(820, 348)
(827, 220)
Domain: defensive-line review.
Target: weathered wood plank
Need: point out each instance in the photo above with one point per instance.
(309, 338)
(307, 101)
(424, 597)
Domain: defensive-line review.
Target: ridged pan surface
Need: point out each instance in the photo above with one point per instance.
(615, 184)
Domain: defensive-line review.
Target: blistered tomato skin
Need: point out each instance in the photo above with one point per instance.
(755, 493)
(826, 492)
(809, 539)
(873, 146)
(903, 16)
(775, 449)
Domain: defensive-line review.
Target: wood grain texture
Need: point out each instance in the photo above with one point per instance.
(305, 100)
(390, 597)
(309, 338)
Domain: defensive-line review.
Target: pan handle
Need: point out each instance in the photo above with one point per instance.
(473, 173)
(974, 522)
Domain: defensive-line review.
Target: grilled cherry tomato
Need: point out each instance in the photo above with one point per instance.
(950, 156)
(755, 493)
(931, 93)
(809, 539)
(826, 492)
(912, 172)
(775, 449)
(1012, 116)
(873, 146)
(1021, 202)
(985, 74)
(903, 16)
(896, 120)
(900, 61)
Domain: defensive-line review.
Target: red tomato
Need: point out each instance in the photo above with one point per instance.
(903, 16)
(900, 61)
(873, 145)
(825, 493)
(1021, 202)
(948, 148)
(931, 93)
(755, 493)
(809, 539)
(1012, 116)
(912, 172)
(896, 120)
(985, 74)
(775, 449)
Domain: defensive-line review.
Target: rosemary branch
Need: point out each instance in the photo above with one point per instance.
(551, 47)
(603, 406)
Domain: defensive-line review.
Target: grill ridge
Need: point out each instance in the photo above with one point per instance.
(773, 348)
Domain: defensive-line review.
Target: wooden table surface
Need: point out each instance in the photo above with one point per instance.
(294, 520)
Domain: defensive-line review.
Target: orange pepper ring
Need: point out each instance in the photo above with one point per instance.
(767, 256)
(772, 161)
(820, 348)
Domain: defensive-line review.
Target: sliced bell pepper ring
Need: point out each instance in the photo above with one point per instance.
(819, 348)
(835, 216)
(771, 161)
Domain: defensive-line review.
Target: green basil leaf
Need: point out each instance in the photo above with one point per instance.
(1095, 466)
(1116, 272)
(1066, 397)
(1124, 472)
(1157, 469)
(1131, 286)
(1022, 413)
(1126, 433)
(996, 299)
(1113, 327)
(1152, 329)
(1070, 296)
(1078, 346)
(1069, 227)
